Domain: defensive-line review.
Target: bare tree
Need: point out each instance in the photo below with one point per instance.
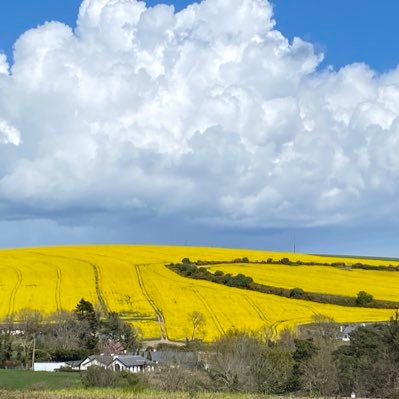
(198, 322)
(29, 321)
(63, 330)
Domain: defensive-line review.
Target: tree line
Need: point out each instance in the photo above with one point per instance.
(309, 361)
(30, 335)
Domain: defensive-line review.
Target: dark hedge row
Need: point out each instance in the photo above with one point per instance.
(287, 261)
(187, 269)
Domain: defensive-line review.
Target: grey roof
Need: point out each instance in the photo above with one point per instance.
(104, 359)
(74, 363)
(347, 329)
(179, 357)
(133, 360)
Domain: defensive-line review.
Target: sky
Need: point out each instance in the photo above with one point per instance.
(238, 123)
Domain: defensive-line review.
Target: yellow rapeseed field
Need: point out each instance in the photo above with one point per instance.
(322, 279)
(133, 280)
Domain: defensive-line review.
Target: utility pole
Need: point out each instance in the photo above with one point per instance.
(33, 353)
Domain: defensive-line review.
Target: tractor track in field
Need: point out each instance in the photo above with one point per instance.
(257, 309)
(157, 310)
(11, 303)
(58, 288)
(97, 277)
(217, 322)
(275, 325)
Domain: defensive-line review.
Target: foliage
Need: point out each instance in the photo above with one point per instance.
(87, 315)
(100, 377)
(242, 362)
(363, 298)
(114, 329)
(96, 376)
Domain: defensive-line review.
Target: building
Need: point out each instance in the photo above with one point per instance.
(96, 360)
(131, 363)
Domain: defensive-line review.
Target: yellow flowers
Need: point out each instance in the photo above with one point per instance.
(133, 280)
(322, 279)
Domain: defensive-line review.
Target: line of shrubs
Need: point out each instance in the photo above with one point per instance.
(192, 270)
(287, 261)
(186, 269)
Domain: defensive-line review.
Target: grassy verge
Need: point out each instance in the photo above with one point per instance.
(121, 394)
(37, 380)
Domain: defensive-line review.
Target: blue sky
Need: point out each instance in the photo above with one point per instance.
(346, 31)
(202, 128)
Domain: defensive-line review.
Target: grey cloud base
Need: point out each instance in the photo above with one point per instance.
(207, 116)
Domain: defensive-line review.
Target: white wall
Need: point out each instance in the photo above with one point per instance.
(48, 366)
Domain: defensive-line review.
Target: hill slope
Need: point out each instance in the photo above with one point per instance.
(134, 281)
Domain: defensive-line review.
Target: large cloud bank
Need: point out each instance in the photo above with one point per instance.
(208, 115)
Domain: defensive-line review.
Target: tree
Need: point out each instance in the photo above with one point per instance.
(364, 364)
(89, 322)
(296, 293)
(198, 322)
(29, 321)
(7, 340)
(325, 328)
(118, 335)
(363, 298)
(243, 362)
(62, 331)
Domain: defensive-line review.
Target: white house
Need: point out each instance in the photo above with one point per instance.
(131, 363)
(97, 360)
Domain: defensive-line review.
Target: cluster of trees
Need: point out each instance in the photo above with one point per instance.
(29, 335)
(312, 362)
(202, 273)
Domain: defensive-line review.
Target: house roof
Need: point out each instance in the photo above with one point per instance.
(179, 357)
(104, 359)
(347, 329)
(132, 360)
(74, 363)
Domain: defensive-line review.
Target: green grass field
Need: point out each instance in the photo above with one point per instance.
(37, 380)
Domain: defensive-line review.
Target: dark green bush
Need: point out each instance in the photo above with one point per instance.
(297, 293)
(363, 298)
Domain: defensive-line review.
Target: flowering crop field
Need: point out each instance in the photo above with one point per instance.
(133, 280)
(382, 285)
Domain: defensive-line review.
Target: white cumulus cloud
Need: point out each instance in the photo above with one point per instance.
(208, 114)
